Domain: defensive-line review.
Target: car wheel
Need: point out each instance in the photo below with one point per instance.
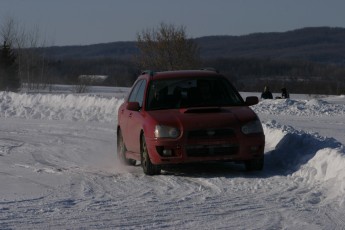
(121, 151)
(255, 164)
(148, 167)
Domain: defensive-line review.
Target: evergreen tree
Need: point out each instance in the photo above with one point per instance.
(9, 79)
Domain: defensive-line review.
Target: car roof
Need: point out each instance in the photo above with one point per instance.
(179, 74)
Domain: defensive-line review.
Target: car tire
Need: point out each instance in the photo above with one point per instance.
(146, 164)
(121, 151)
(255, 164)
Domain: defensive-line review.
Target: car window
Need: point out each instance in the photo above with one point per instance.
(140, 95)
(137, 94)
(191, 92)
(134, 91)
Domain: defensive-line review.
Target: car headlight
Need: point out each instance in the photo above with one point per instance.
(166, 131)
(252, 127)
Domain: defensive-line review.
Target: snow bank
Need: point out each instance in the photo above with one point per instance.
(104, 109)
(313, 107)
(59, 107)
(306, 156)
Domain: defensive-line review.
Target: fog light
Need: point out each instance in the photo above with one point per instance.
(167, 152)
(164, 152)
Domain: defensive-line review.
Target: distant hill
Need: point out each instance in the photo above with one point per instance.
(123, 50)
(317, 44)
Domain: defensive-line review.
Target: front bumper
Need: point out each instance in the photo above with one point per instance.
(183, 150)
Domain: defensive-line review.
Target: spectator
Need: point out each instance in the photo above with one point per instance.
(285, 94)
(266, 94)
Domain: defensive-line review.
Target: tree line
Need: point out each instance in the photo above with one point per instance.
(246, 74)
(166, 47)
(299, 76)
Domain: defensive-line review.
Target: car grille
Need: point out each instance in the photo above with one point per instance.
(202, 143)
(211, 150)
(210, 133)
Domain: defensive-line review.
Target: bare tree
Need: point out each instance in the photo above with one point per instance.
(31, 64)
(167, 48)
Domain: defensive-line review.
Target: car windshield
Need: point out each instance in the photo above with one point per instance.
(191, 92)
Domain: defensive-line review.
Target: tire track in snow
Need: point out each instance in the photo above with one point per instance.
(7, 145)
(223, 196)
(129, 201)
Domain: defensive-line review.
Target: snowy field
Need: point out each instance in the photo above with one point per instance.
(58, 170)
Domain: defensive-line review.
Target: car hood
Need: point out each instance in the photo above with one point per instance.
(206, 117)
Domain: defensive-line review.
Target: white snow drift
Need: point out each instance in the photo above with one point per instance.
(59, 107)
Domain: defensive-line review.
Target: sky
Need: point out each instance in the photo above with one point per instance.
(83, 22)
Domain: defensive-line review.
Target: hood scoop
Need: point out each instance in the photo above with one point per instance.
(202, 110)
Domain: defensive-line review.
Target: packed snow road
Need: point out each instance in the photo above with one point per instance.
(59, 173)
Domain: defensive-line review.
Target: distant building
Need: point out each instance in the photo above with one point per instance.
(92, 78)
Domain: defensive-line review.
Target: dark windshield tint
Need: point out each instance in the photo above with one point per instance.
(191, 92)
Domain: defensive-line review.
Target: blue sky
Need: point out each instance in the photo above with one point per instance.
(82, 22)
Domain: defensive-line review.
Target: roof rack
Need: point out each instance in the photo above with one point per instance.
(210, 69)
(149, 72)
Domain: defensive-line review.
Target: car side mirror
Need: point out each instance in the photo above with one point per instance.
(252, 100)
(133, 106)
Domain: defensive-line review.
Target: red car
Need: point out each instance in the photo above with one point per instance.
(188, 116)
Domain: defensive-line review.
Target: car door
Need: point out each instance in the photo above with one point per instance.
(135, 118)
(125, 114)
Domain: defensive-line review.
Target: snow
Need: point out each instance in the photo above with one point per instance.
(58, 169)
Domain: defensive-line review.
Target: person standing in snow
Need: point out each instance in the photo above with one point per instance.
(285, 94)
(266, 94)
